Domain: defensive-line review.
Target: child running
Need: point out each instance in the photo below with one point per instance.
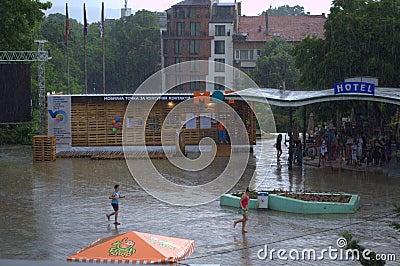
(114, 196)
(244, 202)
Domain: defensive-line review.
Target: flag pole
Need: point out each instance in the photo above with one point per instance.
(102, 47)
(66, 38)
(85, 30)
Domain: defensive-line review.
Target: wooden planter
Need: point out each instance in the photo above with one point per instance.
(44, 148)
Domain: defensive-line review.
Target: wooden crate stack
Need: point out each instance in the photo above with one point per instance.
(79, 123)
(97, 128)
(44, 148)
(92, 124)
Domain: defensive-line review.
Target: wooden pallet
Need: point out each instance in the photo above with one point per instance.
(44, 148)
(92, 124)
(114, 155)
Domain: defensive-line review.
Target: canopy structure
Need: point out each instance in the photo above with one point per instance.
(135, 248)
(287, 98)
(292, 99)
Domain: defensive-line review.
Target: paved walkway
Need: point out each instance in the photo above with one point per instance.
(55, 209)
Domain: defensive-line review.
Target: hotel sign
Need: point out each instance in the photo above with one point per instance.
(354, 87)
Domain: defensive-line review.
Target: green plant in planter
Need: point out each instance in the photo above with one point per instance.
(252, 194)
(319, 197)
(305, 196)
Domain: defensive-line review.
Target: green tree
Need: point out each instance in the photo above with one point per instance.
(276, 66)
(53, 29)
(308, 55)
(132, 53)
(286, 10)
(362, 39)
(17, 22)
(135, 53)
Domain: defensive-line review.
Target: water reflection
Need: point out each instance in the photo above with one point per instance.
(51, 210)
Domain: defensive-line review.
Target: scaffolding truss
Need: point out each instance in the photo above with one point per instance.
(41, 56)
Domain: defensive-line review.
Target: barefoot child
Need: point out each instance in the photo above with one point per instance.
(114, 196)
(244, 202)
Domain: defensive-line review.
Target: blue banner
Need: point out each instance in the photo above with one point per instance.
(354, 87)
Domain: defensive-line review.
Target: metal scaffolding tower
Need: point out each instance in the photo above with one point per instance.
(41, 56)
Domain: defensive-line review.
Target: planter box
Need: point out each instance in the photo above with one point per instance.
(285, 204)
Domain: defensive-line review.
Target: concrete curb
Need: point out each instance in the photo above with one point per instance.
(285, 204)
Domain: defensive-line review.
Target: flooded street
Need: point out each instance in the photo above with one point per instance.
(51, 210)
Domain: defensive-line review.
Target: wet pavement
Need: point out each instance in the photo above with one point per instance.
(51, 210)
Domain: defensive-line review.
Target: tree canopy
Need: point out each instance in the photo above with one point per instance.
(17, 22)
(362, 38)
(285, 10)
(132, 53)
(276, 66)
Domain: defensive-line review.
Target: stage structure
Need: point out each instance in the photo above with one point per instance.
(95, 122)
(41, 56)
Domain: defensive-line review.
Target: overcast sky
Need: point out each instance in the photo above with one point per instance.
(113, 7)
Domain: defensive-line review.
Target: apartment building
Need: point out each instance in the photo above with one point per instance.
(216, 31)
(255, 31)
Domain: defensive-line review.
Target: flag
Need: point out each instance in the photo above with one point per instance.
(102, 21)
(101, 29)
(66, 22)
(85, 25)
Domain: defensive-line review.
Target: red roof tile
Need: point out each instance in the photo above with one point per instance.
(291, 28)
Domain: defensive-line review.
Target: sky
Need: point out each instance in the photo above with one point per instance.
(113, 7)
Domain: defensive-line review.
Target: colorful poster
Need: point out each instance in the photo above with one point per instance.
(59, 119)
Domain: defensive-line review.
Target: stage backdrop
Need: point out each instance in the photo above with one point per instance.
(15, 93)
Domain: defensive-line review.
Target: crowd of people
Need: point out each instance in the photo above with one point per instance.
(354, 150)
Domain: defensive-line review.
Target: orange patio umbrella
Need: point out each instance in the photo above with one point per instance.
(135, 248)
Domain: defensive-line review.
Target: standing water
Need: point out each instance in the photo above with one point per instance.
(51, 210)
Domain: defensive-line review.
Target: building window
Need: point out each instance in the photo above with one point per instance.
(178, 82)
(192, 13)
(219, 65)
(219, 83)
(219, 47)
(244, 54)
(194, 28)
(219, 30)
(180, 12)
(180, 28)
(178, 65)
(178, 46)
(194, 46)
(194, 65)
(194, 83)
